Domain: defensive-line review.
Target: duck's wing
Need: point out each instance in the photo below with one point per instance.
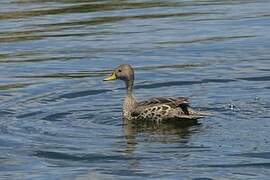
(179, 102)
(165, 100)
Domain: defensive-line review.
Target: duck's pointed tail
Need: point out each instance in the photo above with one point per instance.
(199, 114)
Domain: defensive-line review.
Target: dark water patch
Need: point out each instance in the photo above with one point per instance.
(6, 112)
(56, 116)
(258, 78)
(173, 66)
(265, 69)
(213, 108)
(202, 178)
(88, 158)
(182, 83)
(87, 116)
(26, 115)
(43, 98)
(182, 149)
(125, 173)
(226, 19)
(263, 155)
(83, 93)
(208, 39)
(115, 120)
(244, 165)
(217, 80)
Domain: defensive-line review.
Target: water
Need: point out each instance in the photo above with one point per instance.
(59, 120)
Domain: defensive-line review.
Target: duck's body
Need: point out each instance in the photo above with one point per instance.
(159, 109)
(156, 109)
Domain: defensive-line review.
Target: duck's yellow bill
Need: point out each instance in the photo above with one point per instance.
(111, 77)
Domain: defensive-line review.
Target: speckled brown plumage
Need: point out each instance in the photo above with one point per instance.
(155, 109)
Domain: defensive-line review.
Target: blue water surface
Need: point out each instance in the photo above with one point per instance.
(59, 120)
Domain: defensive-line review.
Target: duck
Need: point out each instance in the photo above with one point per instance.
(156, 109)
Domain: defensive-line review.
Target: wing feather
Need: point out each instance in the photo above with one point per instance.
(179, 102)
(164, 100)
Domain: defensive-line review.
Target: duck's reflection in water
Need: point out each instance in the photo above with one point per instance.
(165, 133)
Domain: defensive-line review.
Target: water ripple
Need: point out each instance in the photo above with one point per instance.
(84, 8)
(263, 155)
(182, 83)
(82, 93)
(88, 158)
(258, 78)
(244, 165)
(14, 86)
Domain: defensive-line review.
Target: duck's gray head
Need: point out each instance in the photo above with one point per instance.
(123, 72)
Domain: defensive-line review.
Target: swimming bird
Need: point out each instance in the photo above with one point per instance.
(155, 109)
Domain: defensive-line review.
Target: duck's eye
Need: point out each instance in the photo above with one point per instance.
(119, 70)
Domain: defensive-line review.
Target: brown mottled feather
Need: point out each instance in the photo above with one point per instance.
(165, 100)
(180, 102)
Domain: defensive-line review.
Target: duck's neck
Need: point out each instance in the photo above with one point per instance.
(130, 101)
(129, 87)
